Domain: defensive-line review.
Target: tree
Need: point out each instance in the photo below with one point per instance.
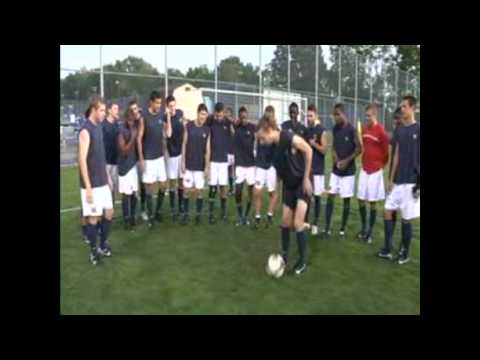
(200, 72)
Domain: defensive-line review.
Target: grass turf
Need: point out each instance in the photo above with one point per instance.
(219, 269)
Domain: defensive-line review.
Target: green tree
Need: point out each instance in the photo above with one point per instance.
(200, 72)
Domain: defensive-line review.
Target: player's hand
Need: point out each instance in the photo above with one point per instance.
(307, 187)
(312, 142)
(141, 163)
(89, 194)
(416, 192)
(341, 164)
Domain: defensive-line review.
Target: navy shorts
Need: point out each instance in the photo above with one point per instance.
(290, 196)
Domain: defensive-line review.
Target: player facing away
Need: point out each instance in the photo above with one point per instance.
(127, 169)
(95, 193)
(174, 147)
(243, 144)
(231, 155)
(317, 138)
(346, 147)
(397, 122)
(293, 161)
(265, 173)
(195, 161)
(221, 130)
(370, 179)
(404, 181)
(152, 128)
(110, 132)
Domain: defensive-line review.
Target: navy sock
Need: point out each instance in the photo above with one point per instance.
(239, 210)
(301, 245)
(285, 234)
(180, 199)
(230, 182)
(238, 199)
(373, 218)
(388, 225)
(406, 236)
(328, 212)
(171, 198)
(133, 206)
(223, 204)
(346, 212)
(317, 208)
(307, 213)
(363, 216)
(125, 207)
(211, 199)
(91, 231)
(149, 203)
(160, 197)
(143, 196)
(199, 205)
(186, 205)
(105, 231)
(394, 221)
(247, 210)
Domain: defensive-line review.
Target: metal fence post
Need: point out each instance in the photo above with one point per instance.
(216, 75)
(166, 72)
(407, 84)
(396, 84)
(260, 80)
(288, 71)
(101, 72)
(316, 76)
(356, 89)
(371, 80)
(340, 72)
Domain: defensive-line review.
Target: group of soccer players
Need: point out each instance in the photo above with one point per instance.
(157, 149)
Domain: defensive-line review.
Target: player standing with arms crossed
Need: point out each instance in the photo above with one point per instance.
(404, 181)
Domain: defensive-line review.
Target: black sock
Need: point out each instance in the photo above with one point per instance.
(180, 199)
(186, 205)
(346, 212)
(171, 198)
(125, 207)
(307, 213)
(238, 199)
(373, 217)
(199, 205)
(223, 204)
(388, 235)
(406, 236)
(328, 212)
(247, 210)
(239, 210)
(105, 231)
(143, 196)
(285, 235)
(301, 245)
(230, 182)
(91, 231)
(211, 199)
(363, 216)
(133, 206)
(149, 203)
(317, 208)
(160, 197)
(394, 221)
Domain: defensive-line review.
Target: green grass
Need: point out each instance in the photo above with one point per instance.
(219, 269)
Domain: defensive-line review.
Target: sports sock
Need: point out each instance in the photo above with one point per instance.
(363, 216)
(133, 206)
(149, 203)
(105, 231)
(394, 220)
(160, 197)
(328, 212)
(92, 236)
(388, 235)
(199, 205)
(180, 199)
(125, 208)
(406, 236)
(346, 212)
(317, 208)
(171, 199)
(373, 217)
(223, 204)
(142, 196)
(186, 205)
(285, 236)
(211, 199)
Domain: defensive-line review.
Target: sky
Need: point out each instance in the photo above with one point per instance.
(179, 56)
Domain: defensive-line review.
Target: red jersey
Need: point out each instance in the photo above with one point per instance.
(375, 148)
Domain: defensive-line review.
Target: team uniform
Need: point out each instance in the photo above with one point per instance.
(110, 131)
(195, 155)
(220, 140)
(174, 146)
(296, 127)
(265, 173)
(318, 160)
(243, 144)
(153, 148)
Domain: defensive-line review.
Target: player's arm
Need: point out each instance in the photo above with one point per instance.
(168, 125)
(342, 164)
(125, 146)
(184, 146)
(322, 147)
(394, 168)
(84, 144)
(384, 142)
(207, 156)
(141, 129)
(300, 144)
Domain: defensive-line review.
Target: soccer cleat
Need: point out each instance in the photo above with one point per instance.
(403, 259)
(158, 217)
(211, 220)
(184, 220)
(326, 233)
(144, 216)
(239, 222)
(361, 235)
(246, 221)
(314, 230)
(385, 255)
(341, 233)
(256, 223)
(368, 239)
(306, 226)
(269, 220)
(107, 252)
(150, 224)
(86, 241)
(93, 257)
(300, 268)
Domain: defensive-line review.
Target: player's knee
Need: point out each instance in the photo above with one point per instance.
(299, 224)
(109, 214)
(92, 220)
(373, 205)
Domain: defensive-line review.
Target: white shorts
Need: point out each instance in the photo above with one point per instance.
(231, 159)
(173, 167)
(102, 199)
(370, 186)
(112, 173)
(342, 185)
(245, 174)
(128, 183)
(194, 179)
(401, 198)
(318, 185)
(154, 171)
(218, 174)
(266, 177)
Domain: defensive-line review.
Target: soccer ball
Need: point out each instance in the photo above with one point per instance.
(275, 266)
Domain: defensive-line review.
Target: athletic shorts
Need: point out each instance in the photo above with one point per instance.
(342, 185)
(112, 174)
(370, 186)
(245, 174)
(173, 165)
(195, 179)
(218, 174)
(266, 177)
(128, 183)
(154, 171)
(290, 196)
(401, 198)
(318, 185)
(102, 200)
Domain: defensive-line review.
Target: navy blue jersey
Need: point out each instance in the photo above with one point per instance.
(174, 143)
(318, 160)
(153, 135)
(296, 127)
(407, 138)
(265, 153)
(231, 149)
(197, 137)
(126, 162)
(244, 141)
(96, 163)
(344, 146)
(220, 138)
(110, 131)
(288, 161)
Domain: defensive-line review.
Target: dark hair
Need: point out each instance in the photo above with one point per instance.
(411, 100)
(340, 107)
(169, 99)
(292, 105)
(132, 102)
(109, 106)
(87, 112)
(219, 107)
(94, 102)
(202, 107)
(268, 118)
(242, 109)
(229, 109)
(312, 107)
(155, 95)
(372, 106)
(129, 113)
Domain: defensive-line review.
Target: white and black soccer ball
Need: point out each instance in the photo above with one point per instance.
(275, 266)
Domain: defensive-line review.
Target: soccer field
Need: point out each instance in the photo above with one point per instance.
(220, 269)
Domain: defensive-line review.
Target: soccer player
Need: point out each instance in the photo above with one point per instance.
(265, 173)
(127, 170)
(370, 180)
(317, 138)
(244, 141)
(293, 125)
(110, 132)
(292, 160)
(221, 130)
(346, 147)
(94, 190)
(231, 156)
(397, 122)
(195, 161)
(404, 181)
(152, 129)
(174, 147)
